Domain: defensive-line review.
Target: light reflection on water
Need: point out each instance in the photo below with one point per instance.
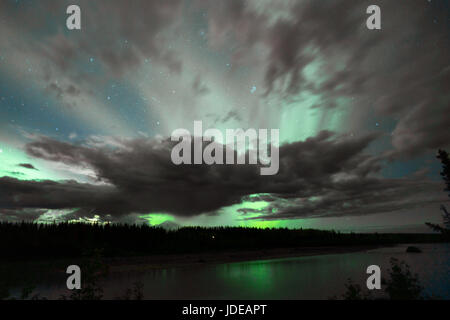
(315, 277)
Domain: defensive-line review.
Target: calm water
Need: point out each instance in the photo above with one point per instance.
(317, 277)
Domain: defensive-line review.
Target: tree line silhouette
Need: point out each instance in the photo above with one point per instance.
(445, 174)
(32, 240)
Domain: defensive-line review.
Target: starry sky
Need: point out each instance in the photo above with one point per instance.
(86, 115)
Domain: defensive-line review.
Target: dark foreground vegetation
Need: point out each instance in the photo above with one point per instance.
(402, 284)
(95, 270)
(42, 241)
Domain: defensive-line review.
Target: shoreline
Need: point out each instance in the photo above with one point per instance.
(136, 264)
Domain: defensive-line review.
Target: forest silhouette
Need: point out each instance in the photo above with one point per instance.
(33, 241)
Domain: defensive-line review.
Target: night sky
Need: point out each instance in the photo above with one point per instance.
(85, 115)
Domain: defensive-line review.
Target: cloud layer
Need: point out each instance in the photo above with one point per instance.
(101, 98)
(326, 175)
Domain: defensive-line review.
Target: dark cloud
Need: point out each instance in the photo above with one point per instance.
(223, 119)
(27, 166)
(21, 214)
(50, 194)
(231, 115)
(120, 35)
(199, 87)
(137, 176)
(401, 71)
(357, 197)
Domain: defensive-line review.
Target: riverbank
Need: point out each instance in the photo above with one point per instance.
(131, 264)
(221, 275)
(32, 269)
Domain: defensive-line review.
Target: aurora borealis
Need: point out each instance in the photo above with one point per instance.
(85, 114)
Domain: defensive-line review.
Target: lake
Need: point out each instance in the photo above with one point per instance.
(313, 277)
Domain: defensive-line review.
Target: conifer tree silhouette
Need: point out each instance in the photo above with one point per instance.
(445, 173)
